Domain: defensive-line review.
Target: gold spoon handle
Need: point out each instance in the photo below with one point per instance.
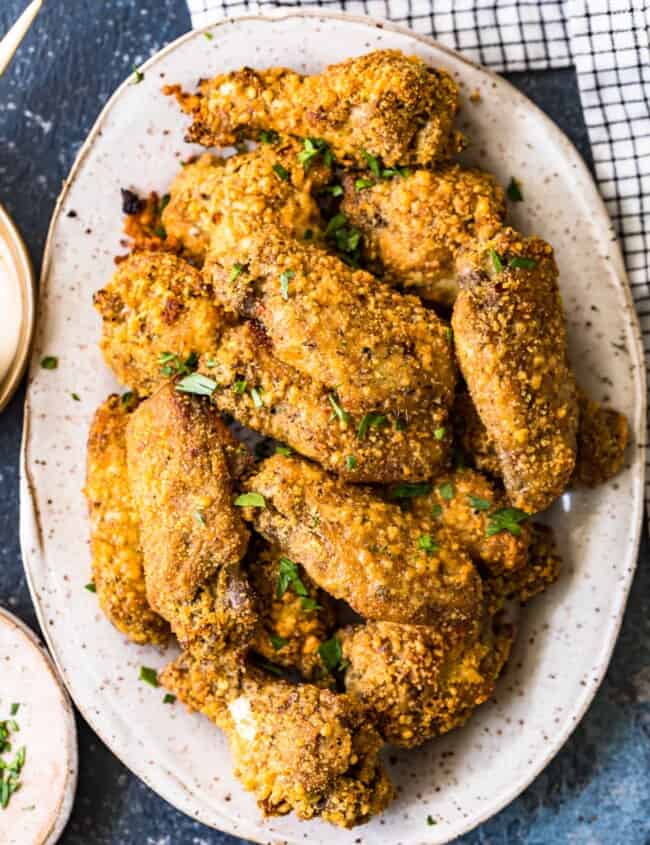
(12, 39)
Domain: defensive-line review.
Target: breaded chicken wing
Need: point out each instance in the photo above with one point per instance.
(511, 346)
(381, 560)
(267, 184)
(390, 105)
(602, 439)
(377, 349)
(278, 401)
(117, 564)
(419, 682)
(157, 311)
(297, 748)
(413, 226)
(181, 458)
(468, 505)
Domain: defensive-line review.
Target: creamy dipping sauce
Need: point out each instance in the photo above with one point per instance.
(10, 310)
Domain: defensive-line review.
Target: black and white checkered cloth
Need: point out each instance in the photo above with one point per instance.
(608, 41)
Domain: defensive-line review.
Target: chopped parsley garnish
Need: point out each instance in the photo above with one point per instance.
(256, 397)
(126, 398)
(50, 362)
(479, 504)
(310, 604)
(208, 35)
(400, 424)
(311, 149)
(436, 511)
(250, 500)
(269, 136)
(346, 238)
(290, 577)
(277, 642)
(281, 449)
(521, 262)
(351, 462)
(409, 490)
(308, 234)
(281, 172)
(149, 676)
(138, 76)
(343, 416)
(239, 386)
(448, 333)
(90, 586)
(514, 190)
(337, 222)
(237, 270)
(506, 519)
(169, 698)
(497, 261)
(76, 397)
(426, 544)
(331, 654)
(391, 172)
(431, 821)
(10, 771)
(15, 707)
(198, 384)
(439, 433)
(270, 667)
(334, 190)
(373, 163)
(360, 184)
(285, 278)
(370, 421)
(446, 490)
(172, 365)
(198, 516)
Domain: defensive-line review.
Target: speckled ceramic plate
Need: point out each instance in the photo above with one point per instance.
(566, 637)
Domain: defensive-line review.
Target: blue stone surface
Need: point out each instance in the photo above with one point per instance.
(597, 790)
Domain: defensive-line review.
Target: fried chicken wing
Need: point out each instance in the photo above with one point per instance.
(465, 503)
(511, 346)
(377, 349)
(180, 460)
(390, 105)
(267, 184)
(155, 308)
(278, 401)
(419, 682)
(380, 559)
(413, 226)
(295, 615)
(602, 439)
(117, 564)
(297, 748)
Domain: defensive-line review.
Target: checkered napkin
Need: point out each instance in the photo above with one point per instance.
(608, 41)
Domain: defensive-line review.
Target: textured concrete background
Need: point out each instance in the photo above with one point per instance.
(597, 790)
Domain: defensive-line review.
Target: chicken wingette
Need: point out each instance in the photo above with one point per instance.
(182, 461)
(384, 562)
(374, 348)
(510, 339)
(414, 225)
(297, 748)
(117, 565)
(385, 104)
(602, 439)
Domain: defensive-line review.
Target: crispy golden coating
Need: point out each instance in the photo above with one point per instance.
(464, 502)
(541, 571)
(413, 227)
(295, 615)
(144, 228)
(511, 345)
(475, 443)
(388, 104)
(297, 748)
(117, 564)
(210, 188)
(155, 304)
(602, 439)
(380, 559)
(278, 401)
(180, 457)
(377, 349)
(419, 682)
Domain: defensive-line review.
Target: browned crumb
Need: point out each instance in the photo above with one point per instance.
(602, 439)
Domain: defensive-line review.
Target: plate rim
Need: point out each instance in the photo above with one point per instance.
(615, 252)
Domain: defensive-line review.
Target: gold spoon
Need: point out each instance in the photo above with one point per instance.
(12, 39)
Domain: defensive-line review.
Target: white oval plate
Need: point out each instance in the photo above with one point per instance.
(566, 637)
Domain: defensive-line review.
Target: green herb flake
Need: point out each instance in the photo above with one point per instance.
(90, 587)
(496, 259)
(285, 278)
(351, 462)
(268, 136)
(521, 262)
(271, 667)
(256, 397)
(436, 511)
(330, 653)
(15, 707)
(362, 184)
(343, 416)
(446, 490)
(237, 270)
(311, 149)
(373, 164)
(514, 190)
(281, 449)
(169, 698)
(431, 821)
(308, 234)
(198, 384)
(400, 424)
(50, 362)
(290, 577)
(426, 544)
(439, 433)
(409, 490)
(76, 397)
(281, 172)
(149, 676)
(506, 519)
(478, 504)
(310, 604)
(239, 386)
(370, 421)
(449, 333)
(208, 35)
(277, 642)
(198, 516)
(250, 500)
(336, 223)
(334, 190)
(138, 76)
(391, 172)
(127, 398)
